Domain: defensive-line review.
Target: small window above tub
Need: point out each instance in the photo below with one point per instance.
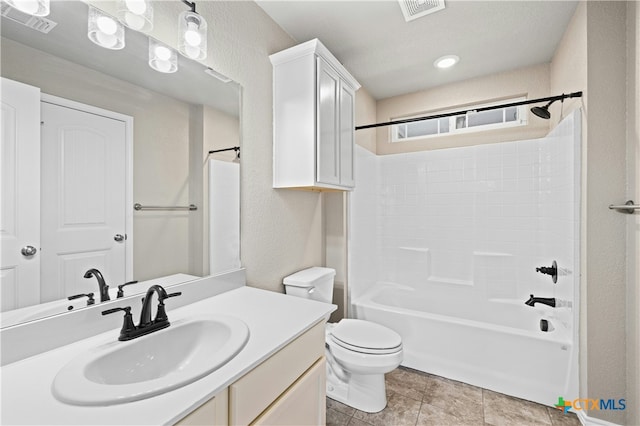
(463, 123)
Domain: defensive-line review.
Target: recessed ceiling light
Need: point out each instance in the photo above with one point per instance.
(446, 61)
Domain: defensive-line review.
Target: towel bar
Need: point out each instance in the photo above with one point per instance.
(190, 207)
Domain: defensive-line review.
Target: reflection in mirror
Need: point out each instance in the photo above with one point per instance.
(114, 133)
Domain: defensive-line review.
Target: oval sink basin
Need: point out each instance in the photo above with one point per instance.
(159, 362)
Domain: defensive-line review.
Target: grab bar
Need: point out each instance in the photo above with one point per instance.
(629, 207)
(190, 207)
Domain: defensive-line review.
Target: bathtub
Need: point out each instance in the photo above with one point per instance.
(496, 344)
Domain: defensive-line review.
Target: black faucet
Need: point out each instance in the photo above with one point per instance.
(550, 301)
(104, 288)
(130, 330)
(161, 314)
(121, 288)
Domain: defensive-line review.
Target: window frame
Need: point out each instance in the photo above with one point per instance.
(521, 120)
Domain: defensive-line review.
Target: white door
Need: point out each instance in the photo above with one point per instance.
(20, 195)
(83, 200)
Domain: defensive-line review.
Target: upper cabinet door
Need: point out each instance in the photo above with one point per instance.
(328, 143)
(20, 190)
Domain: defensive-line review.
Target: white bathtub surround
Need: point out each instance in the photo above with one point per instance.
(224, 216)
(444, 246)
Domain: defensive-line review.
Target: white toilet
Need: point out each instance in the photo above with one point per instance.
(358, 352)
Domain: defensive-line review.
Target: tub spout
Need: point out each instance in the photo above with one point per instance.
(550, 301)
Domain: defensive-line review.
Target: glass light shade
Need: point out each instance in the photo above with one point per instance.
(32, 7)
(162, 58)
(104, 30)
(193, 35)
(136, 14)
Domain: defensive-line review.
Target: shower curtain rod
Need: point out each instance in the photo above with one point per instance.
(235, 148)
(488, 108)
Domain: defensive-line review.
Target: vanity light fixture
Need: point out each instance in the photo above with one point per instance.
(446, 61)
(105, 31)
(162, 58)
(193, 33)
(31, 7)
(136, 14)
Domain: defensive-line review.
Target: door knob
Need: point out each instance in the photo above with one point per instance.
(119, 237)
(28, 251)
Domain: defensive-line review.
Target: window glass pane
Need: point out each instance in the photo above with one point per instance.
(485, 117)
(422, 128)
(511, 114)
(401, 131)
(444, 125)
(461, 122)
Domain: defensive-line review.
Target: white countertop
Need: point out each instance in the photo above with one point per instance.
(274, 320)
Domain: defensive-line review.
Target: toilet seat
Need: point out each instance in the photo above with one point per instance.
(365, 337)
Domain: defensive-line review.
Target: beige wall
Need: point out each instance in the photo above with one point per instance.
(592, 58)
(366, 108)
(160, 152)
(532, 82)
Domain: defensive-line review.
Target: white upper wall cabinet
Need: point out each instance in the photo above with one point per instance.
(314, 120)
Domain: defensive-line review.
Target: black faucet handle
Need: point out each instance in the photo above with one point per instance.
(89, 296)
(161, 314)
(550, 270)
(128, 327)
(122, 286)
(126, 309)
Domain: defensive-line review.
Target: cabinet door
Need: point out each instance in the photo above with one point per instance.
(304, 403)
(214, 412)
(327, 143)
(347, 129)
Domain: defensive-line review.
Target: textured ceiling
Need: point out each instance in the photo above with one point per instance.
(390, 56)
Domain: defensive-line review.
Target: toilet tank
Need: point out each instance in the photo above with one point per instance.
(314, 283)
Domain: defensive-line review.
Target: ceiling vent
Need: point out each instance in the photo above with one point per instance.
(37, 23)
(413, 9)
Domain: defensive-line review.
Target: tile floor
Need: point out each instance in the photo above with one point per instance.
(420, 399)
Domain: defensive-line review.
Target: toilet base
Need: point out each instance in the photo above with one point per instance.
(364, 392)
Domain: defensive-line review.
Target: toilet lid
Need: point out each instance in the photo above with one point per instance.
(365, 336)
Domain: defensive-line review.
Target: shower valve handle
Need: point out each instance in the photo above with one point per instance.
(550, 270)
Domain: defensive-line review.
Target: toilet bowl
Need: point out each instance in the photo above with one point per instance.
(358, 352)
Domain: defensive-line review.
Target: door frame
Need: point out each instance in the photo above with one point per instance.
(128, 122)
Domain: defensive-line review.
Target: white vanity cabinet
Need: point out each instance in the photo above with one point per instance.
(288, 388)
(314, 119)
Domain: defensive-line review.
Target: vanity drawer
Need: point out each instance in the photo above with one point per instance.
(254, 392)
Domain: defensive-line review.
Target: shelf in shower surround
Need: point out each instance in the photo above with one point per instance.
(448, 281)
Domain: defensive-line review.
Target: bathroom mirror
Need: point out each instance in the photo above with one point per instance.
(176, 119)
